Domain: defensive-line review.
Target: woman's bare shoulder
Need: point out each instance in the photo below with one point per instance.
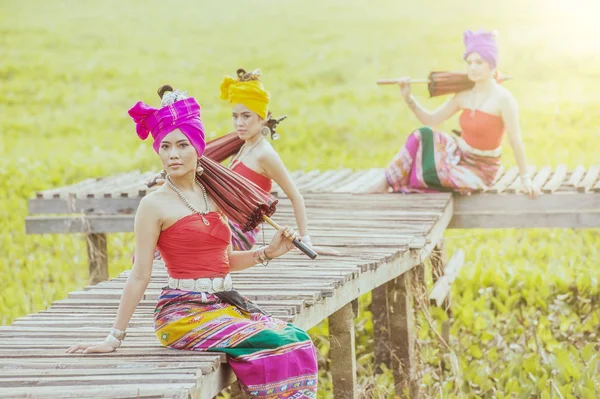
(267, 153)
(154, 201)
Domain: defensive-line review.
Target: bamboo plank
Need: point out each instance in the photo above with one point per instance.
(557, 179)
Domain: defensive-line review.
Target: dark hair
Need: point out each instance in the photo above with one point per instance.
(163, 89)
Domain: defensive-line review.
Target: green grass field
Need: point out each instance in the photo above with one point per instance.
(527, 301)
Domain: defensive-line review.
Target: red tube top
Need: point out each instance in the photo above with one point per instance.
(255, 177)
(482, 131)
(192, 249)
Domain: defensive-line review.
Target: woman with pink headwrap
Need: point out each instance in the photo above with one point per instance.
(437, 161)
(199, 310)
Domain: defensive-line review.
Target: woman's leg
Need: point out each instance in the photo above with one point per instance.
(397, 174)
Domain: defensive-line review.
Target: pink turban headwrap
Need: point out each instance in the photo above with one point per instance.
(482, 43)
(183, 115)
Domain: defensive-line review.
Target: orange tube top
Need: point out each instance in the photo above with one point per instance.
(482, 131)
(255, 177)
(192, 249)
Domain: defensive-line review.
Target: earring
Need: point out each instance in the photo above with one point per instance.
(265, 131)
(199, 170)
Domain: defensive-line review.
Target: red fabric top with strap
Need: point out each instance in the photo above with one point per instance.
(482, 131)
(261, 181)
(192, 249)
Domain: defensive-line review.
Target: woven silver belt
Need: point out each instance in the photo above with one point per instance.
(210, 285)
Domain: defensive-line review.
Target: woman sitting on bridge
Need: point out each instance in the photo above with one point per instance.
(199, 310)
(437, 161)
(257, 160)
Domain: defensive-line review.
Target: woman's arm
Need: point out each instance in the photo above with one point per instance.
(425, 116)
(147, 230)
(279, 245)
(510, 116)
(274, 168)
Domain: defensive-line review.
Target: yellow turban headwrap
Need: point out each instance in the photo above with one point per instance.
(248, 90)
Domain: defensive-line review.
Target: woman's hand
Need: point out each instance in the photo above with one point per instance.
(405, 88)
(96, 347)
(325, 251)
(532, 192)
(281, 243)
(155, 182)
(527, 186)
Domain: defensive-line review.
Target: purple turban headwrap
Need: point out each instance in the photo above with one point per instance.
(482, 43)
(183, 115)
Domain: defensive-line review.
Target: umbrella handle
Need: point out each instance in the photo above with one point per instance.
(395, 81)
(308, 251)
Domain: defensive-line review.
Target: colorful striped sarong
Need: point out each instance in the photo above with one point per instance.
(240, 240)
(271, 358)
(437, 161)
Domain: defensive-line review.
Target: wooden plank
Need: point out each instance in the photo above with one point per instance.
(557, 179)
(505, 181)
(56, 381)
(508, 203)
(307, 177)
(84, 205)
(515, 186)
(576, 176)
(50, 193)
(124, 391)
(348, 179)
(589, 180)
(360, 182)
(80, 224)
(326, 185)
(541, 178)
(315, 180)
(500, 220)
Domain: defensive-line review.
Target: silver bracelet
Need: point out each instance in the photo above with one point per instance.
(261, 257)
(525, 180)
(306, 240)
(112, 341)
(115, 337)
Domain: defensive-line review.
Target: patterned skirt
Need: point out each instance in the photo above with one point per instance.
(240, 240)
(272, 359)
(437, 161)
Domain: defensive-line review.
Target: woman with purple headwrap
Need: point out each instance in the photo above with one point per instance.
(199, 310)
(437, 161)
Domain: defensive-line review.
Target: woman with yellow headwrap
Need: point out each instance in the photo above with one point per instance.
(257, 160)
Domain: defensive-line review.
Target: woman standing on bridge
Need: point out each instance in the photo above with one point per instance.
(437, 161)
(199, 310)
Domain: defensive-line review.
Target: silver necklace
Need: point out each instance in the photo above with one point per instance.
(474, 106)
(187, 203)
(238, 157)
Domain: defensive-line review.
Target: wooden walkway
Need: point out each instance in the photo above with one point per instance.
(381, 239)
(378, 243)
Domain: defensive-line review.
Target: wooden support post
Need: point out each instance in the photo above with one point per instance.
(342, 353)
(404, 335)
(438, 261)
(97, 257)
(381, 328)
(236, 392)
